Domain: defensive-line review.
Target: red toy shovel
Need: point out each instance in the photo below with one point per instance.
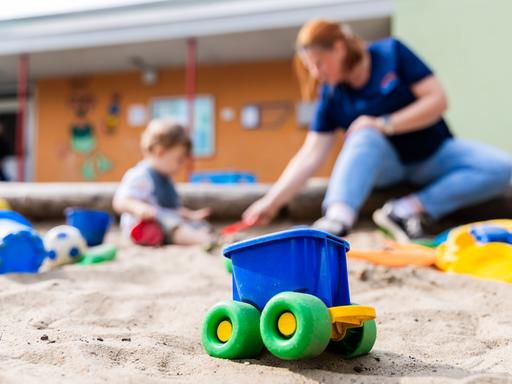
(235, 227)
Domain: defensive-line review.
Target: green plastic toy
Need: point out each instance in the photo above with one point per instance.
(99, 254)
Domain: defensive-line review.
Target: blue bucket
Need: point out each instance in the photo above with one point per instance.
(92, 224)
(300, 260)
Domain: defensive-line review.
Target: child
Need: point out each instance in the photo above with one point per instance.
(147, 191)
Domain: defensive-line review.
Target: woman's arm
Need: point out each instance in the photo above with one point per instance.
(301, 167)
(428, 108)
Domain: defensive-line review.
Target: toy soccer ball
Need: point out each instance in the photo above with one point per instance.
(64, 245)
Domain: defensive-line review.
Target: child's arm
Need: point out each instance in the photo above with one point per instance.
(135, 207)
(132, 195)
(196, 215)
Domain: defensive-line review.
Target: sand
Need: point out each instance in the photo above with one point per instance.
(138, 320)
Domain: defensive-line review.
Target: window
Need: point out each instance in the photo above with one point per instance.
(204, 120)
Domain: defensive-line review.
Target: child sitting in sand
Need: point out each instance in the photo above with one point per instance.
(147, 193)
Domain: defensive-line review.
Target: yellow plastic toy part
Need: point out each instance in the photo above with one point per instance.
(461, 253)
(224, 330)
(349, 316)
(287, 324)
(487, 261)
(4, 205)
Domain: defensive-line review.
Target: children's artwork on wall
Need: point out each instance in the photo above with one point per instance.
(88, 170)
(103, 163)
(113, 114)
(266, 114)
(95, 165)
(81, 101)
(83, 139)
(203, 131)
(250, 116)
(137, 115)
(227, 114)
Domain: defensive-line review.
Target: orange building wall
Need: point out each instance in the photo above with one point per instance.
(262, 151)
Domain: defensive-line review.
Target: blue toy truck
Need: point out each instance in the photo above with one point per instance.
(291, 295)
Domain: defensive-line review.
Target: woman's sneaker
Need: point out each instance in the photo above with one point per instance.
(334, 227)
(401, 229)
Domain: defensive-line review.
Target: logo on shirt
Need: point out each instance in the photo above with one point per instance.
(388, 81)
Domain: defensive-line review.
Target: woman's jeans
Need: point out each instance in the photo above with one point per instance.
(459, 174)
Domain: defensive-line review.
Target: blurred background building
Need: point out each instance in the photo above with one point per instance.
(96, 72)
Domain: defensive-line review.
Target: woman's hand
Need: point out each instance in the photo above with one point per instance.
(261, 212)
(365, 121)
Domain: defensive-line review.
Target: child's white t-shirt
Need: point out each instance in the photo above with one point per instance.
(138, 184)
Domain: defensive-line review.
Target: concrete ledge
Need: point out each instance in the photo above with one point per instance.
(47, 201)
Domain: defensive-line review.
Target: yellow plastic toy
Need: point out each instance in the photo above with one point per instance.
(4, 205)
(463, 252)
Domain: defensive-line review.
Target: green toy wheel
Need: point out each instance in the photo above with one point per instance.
(295, 326)
(231, 331)
(357, 342)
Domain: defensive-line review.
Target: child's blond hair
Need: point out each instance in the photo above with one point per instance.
(166, 133)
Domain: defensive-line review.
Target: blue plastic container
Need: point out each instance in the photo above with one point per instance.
(14, 216)
(223, 177)
(92, 224)
(299, 260)
(21, 248)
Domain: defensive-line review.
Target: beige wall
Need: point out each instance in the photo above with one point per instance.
(467, 42)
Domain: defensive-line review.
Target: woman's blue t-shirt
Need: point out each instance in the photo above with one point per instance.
(394, 69)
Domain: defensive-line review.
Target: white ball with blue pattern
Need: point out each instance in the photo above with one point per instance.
(64, 245)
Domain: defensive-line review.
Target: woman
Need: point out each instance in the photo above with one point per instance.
(391, 107)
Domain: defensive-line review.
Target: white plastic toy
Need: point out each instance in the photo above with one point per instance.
(65, 245)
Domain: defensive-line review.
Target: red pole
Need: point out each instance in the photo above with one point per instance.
(20, 118)
(190, 88)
